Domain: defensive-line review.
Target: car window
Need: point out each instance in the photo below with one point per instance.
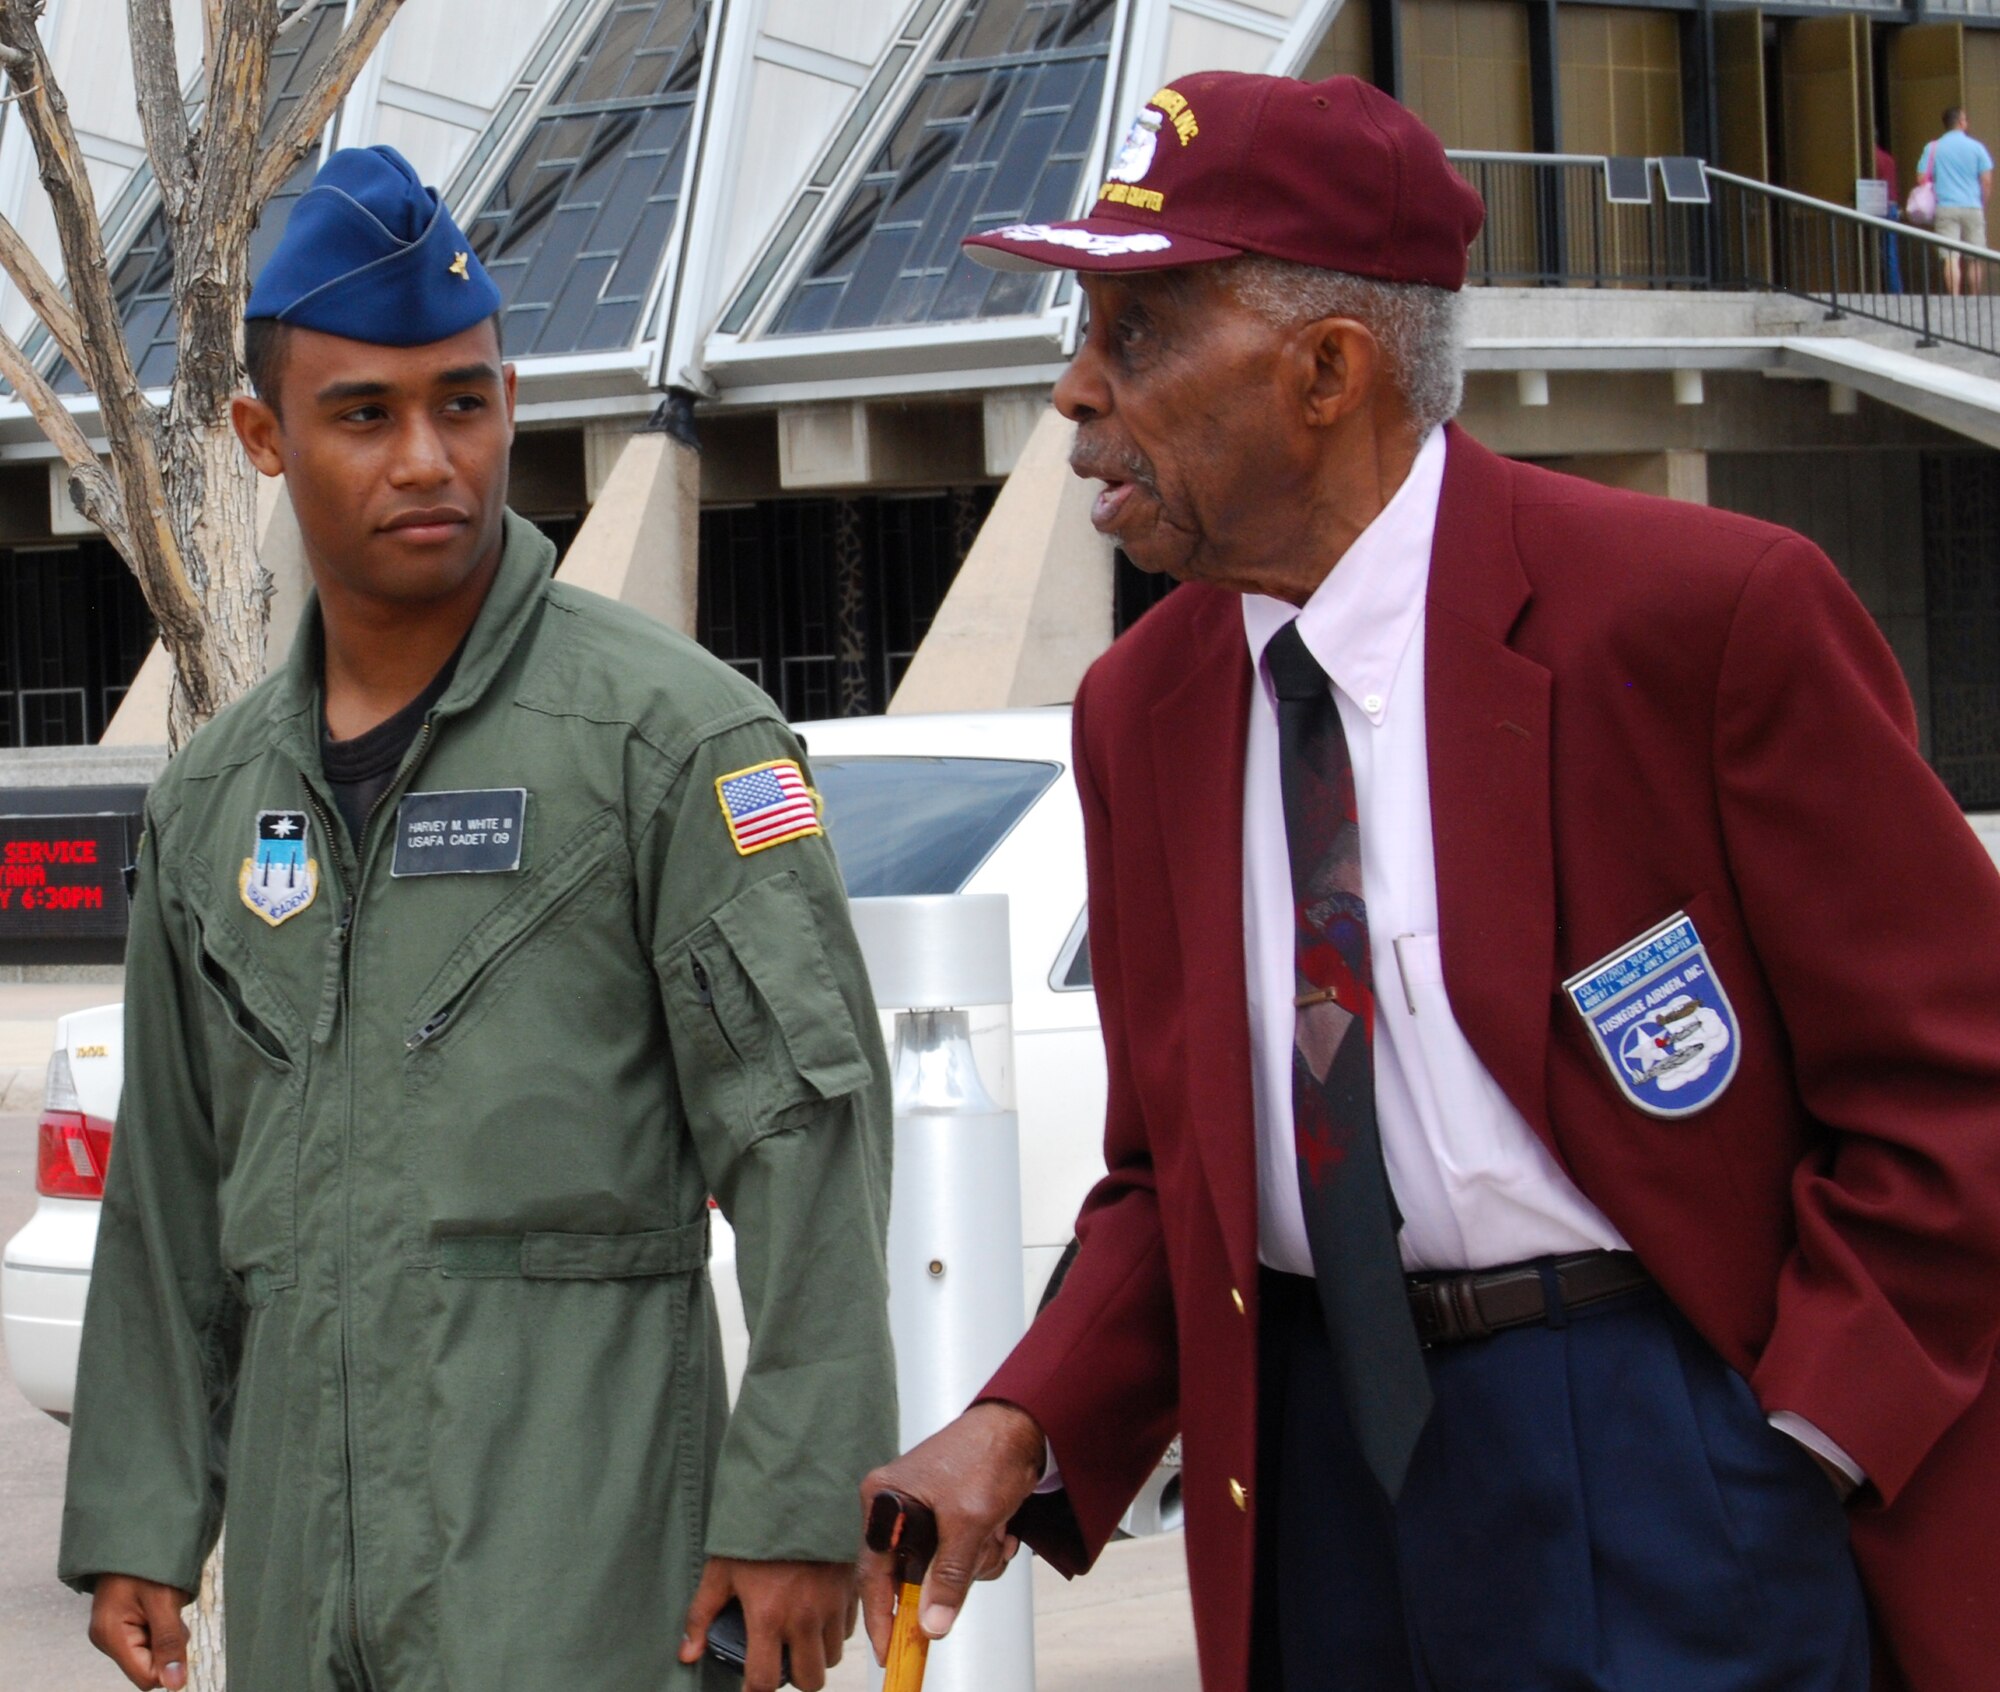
(922, 825)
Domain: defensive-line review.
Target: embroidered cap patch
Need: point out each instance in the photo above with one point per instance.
(279, 880)
(766, 805)
(1658, 1016)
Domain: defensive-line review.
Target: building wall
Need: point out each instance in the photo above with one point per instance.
(1465, 72)
(1621, 80)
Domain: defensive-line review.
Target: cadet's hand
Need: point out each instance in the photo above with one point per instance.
(974, 1474)
(137, 1624)
(808, 1607)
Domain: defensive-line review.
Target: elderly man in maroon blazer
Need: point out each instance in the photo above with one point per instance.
(1552, 1012)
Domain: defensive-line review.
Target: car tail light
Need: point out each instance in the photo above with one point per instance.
(71, 1149)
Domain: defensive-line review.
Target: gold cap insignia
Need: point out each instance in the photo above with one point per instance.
(458, 267)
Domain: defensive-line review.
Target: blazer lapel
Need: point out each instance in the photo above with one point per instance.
(1199, 740)
(1488, 712)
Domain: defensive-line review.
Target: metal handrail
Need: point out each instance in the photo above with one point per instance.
(1552, 223)
(1477, 155)
(1830, 208)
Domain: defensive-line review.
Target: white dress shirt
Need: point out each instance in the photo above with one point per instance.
(1475, 1184)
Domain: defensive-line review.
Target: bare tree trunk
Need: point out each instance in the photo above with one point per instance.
(211, 492)
(208, 1665)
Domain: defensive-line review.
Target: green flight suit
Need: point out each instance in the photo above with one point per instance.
(405, 1236)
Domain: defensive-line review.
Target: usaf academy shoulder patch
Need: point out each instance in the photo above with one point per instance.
(766, 805)
(1657, 1013)
(279, 880)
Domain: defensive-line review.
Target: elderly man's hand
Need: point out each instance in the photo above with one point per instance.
(974, 1474)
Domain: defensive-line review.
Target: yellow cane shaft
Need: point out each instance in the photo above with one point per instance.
(908, 1646)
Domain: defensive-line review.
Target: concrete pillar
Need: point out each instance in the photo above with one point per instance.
(1673, 474)
(1031, 605)
(641, 543)
(141, 717)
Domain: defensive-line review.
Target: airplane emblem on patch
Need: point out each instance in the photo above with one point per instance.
(1656, 1012)
(766, 805)
(279, 880)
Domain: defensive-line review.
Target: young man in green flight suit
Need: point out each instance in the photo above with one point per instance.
(471, 952)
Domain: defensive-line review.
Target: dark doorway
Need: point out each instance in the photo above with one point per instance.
(823, 602)
(74, 629)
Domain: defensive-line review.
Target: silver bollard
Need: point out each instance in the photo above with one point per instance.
(955, 1217)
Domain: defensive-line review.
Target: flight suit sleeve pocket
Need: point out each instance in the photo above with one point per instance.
(760, 1027)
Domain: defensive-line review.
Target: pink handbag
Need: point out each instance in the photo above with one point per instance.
(1921, 207)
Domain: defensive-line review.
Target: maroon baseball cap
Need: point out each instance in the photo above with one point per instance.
(1333, 174)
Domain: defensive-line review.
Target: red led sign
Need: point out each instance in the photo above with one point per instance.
(63, 878)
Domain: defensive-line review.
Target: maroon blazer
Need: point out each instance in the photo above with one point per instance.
(1635, 708)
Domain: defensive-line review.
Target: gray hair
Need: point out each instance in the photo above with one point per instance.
(1416, 324)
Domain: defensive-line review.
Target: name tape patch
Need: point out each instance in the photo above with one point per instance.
(766, 805)
(477, 832)
(1658, 1016)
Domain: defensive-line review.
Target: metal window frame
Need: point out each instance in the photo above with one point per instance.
(556, 51)
(133, 209)
(1031, 337)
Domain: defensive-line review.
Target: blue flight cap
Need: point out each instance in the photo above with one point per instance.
(371, 254)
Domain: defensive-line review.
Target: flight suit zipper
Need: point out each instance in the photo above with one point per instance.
(569, 880)
(341, 967)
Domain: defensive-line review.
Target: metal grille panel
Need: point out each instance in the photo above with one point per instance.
(822, 602)
(1962, 610)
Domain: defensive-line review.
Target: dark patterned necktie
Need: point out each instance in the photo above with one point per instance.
(1351, 1217)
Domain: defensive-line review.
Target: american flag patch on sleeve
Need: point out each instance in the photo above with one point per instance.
(766, 805)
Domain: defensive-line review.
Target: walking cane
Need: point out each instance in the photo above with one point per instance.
(906, 1530)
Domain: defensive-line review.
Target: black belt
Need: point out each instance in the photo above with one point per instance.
(1472, 1305)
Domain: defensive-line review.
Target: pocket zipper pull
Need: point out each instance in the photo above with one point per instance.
(701, 986)
(430, 1031)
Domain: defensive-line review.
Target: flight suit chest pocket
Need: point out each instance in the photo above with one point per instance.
(760, 1028)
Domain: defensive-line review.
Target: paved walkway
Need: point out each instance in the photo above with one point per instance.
(1125, 1625)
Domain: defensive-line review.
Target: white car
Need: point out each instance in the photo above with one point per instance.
(980, 802)
(45, 1269)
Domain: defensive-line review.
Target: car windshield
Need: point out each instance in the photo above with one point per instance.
(922, 825)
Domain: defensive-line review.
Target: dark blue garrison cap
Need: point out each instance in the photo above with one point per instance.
(371, 254)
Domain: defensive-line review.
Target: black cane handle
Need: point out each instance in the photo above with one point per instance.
(904, 1528)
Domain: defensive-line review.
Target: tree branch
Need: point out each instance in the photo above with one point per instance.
(41, 291)
(100, 501)
(370, 21)
(156, 76)
(106, 361)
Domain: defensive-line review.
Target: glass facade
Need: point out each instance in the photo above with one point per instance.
(998, 131)
(574, 230)
(144, 278)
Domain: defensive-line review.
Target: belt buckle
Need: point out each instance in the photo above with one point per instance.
(1431, 1310)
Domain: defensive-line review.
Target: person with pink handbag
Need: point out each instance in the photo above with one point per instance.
(1959, 171)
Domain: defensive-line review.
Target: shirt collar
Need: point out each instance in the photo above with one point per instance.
(1359, 620)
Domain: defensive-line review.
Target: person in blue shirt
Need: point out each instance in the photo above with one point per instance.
(1962, 171)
